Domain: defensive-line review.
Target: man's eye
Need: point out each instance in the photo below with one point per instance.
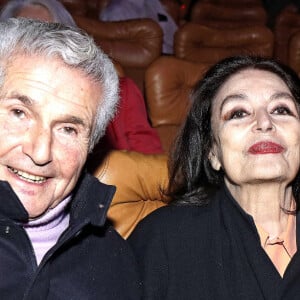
(69, 130)
(282, 110)
(18, 113)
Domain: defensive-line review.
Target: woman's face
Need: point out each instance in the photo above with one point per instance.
(256, 127)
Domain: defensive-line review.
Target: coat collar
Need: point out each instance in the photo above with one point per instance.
(91, 200)
(10, 205)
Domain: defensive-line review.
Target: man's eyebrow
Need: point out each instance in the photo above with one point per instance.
(29, 102)
(73, 120)
(23, 98)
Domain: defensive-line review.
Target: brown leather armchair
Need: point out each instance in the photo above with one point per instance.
(94, 7)
(75, 7)
(293, 59)
(235, 2)
(199, 43)
(286, 24)
(168, 83)
(135, 44)
(139, 179)
(87, 8)
(228, 15)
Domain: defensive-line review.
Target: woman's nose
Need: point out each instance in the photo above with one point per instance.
(264, 121)
(37, 145)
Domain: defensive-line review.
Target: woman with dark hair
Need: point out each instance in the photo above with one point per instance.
(232, 228)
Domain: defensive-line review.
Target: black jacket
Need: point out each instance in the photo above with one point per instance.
(211, 252)
(89, 261)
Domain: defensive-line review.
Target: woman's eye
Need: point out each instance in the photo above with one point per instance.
(282, 110)
(237, 114)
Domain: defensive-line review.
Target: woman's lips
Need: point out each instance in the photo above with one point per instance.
(265, 148)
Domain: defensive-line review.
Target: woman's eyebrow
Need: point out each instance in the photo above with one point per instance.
(275, 96)
(280, 95)
(232, 97)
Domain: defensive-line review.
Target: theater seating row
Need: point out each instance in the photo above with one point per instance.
(166, 81)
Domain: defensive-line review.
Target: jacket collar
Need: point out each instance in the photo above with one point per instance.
(91, 200)
(10, 205)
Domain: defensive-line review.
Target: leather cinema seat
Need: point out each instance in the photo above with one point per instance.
(119, 69)
(287, 23)
(293, 59)
(135, 44)
(168, 84)
(199, 43)
(75, 7)
(235, 2)
(228, 15)
(94, 7)
(139, 179)
(86, 8)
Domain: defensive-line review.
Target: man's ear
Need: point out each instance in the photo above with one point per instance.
(214, 160)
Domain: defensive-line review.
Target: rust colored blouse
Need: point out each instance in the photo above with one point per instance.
(280, 249)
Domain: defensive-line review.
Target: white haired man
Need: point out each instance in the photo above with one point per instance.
(58, 91)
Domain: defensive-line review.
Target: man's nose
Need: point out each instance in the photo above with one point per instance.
(37, 145)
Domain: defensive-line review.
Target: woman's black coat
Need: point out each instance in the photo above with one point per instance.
(210, 252)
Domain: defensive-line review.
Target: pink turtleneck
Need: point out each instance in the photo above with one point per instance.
(45, 231)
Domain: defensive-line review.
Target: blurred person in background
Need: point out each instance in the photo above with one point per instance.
(44, 10)
(117, 10)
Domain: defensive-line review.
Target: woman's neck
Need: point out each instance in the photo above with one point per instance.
(266, 203)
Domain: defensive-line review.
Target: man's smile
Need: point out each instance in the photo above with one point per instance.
(28, 177)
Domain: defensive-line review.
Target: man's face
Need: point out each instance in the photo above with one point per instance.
(47, 112)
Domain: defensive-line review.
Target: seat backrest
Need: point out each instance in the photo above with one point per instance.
(94, 7)
(168, 84)
(75, 7)
(199, 43)
(229, 15)
(87, 8)
(235, 2)
(135, 44)
(286, 24)
(293, 59)
(139, 179)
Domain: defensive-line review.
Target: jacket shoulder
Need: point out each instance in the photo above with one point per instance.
(175, 219)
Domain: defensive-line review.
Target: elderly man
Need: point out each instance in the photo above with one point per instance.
(57, 93)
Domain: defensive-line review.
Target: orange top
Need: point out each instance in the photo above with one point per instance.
(280, 249)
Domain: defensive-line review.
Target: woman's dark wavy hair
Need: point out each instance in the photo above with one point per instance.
(192, 179)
